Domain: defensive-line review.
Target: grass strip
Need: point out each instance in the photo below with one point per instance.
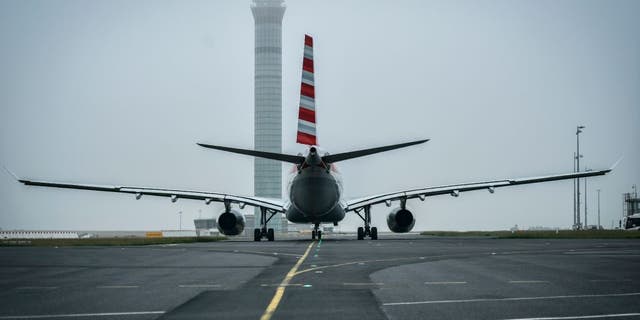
(122, 241)
(550, 234)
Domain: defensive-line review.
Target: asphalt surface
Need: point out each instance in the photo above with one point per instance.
(396, 277)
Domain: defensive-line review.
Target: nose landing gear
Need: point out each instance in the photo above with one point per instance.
(367, 231)
(263, 232)
(316, 232)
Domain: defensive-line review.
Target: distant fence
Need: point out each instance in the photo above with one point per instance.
(39, 235)
(26, 234)
(171, 234)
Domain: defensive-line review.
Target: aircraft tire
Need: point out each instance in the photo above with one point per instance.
(270, 234)
(313, 235)
(374, 233)
(360, 233)
(256, 234)
(319, 235)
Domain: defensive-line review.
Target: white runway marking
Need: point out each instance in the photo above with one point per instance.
(445, 282)
(82, 315)
(610, 280)
(615, 253)
(199, 286)
(36, 288)
(514, 299)
(528, 281)
(117, 287)
(363, 284)
(259, 252)
(287, 285)
(584, 317)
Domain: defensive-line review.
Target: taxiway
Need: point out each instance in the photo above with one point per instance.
(396, 277)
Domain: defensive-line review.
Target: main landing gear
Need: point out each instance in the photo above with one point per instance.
(367, 231)
(263, 232)
(316, 232)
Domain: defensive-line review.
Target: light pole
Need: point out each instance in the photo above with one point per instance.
(578, 156)
(599, 209)
(586, 222)
(575, 222)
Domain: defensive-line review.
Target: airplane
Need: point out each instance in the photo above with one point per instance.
(315, 190)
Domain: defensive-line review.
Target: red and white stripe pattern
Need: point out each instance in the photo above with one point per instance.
(307, 109)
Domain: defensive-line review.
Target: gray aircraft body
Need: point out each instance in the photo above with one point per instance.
(315, 187)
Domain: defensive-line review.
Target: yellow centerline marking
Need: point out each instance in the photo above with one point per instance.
(275, 301)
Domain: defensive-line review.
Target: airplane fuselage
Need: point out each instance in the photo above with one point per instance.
(315, 192)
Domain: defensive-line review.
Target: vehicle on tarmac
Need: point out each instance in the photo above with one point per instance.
(632, 222)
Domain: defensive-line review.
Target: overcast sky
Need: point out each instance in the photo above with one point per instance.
(119, 92)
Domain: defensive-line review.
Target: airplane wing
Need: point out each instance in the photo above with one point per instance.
(456, 189)
(174, 195)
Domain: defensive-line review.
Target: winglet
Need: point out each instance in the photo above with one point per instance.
(11, 173)
(616, 163)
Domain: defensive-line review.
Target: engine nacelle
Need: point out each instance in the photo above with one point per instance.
(400, 220)
(231, 223)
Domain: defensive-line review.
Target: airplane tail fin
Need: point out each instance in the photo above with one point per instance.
(307, 108)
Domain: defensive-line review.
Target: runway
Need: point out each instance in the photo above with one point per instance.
(396, 277)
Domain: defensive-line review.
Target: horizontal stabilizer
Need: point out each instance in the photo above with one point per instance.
(365, 152)
(259, 154)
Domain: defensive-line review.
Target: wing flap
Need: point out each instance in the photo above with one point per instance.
(456, 189)
(208, 197)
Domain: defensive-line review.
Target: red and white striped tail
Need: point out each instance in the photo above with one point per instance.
(307, 109)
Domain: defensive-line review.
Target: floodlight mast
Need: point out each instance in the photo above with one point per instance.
(599, 226)
(578, 156)
(575, 221)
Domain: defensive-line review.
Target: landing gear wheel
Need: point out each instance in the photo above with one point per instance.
(374, 233)
(315, 232)
(360, 233)
(263, 232)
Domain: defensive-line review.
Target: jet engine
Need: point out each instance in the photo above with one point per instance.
(400, 220)
(231, 223)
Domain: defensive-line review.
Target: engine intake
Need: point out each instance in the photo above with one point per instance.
(400, 220)
(231, 223)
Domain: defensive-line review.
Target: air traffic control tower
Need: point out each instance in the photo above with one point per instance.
(267, 15)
